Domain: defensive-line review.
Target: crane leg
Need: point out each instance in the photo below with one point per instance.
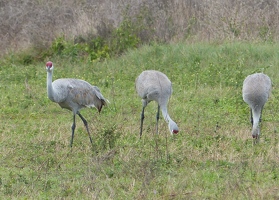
(251, 117)
(86, 126)
(261, 114)
(73, 129)
(157, 118)
(141, 120)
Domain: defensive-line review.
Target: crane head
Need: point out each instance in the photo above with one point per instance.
(49, 65)
(173, 127)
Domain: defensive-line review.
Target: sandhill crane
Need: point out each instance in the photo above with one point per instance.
(73, 94)
(153, 85)
(255, 92)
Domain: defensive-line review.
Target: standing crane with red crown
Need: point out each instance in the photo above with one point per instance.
(73, 94)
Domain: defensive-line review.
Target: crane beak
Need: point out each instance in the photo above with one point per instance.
(48, 67)
(255, 136)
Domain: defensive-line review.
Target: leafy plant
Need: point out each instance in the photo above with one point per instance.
(124, 37)
(108, 138)
(97, 49)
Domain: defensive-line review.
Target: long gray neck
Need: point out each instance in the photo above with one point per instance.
(256, 119)
(50, 92)
(165, 113)
(172, 125)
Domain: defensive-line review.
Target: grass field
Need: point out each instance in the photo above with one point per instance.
(212, 157)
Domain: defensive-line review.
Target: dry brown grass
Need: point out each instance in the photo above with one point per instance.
(36, 23)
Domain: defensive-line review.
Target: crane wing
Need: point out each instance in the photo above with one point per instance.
(84, 94)
(61, 88)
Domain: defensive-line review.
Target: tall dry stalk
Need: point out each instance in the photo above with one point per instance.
(28, 23)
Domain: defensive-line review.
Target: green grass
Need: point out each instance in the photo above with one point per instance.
(212, 157)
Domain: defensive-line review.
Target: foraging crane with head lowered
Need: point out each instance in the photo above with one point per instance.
(255, 92)
(153, 85)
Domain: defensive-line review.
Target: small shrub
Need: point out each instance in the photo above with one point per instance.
(97, 49)
(108, 138)
(124, 37)
(265, 33)
(58, 45)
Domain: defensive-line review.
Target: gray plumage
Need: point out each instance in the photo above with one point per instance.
(255, 92)
(153, 85)
(73, 94)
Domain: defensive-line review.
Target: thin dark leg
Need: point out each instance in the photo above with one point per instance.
(251, 117)
(261, 114)
(157, 119)
(141, 120)
(86, 126)
(73, 129)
